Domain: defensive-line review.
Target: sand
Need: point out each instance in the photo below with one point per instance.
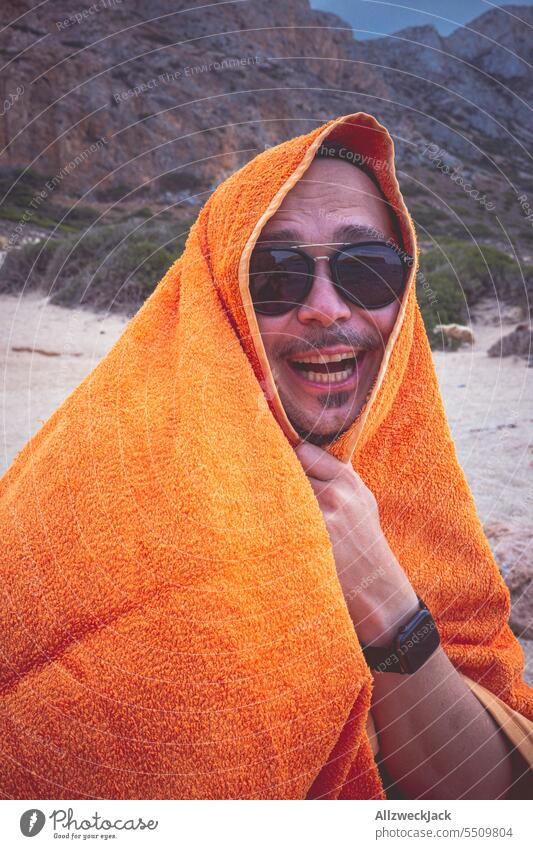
(489, 403)
(45, 351)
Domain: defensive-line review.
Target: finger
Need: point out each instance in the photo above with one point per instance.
(319, 487)
(317, 462)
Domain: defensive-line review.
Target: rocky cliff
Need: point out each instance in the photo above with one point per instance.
(128, 105)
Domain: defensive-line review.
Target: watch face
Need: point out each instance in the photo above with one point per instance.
(417, 642)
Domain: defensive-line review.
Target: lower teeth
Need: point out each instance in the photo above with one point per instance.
(333, 377)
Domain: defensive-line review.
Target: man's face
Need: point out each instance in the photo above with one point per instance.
(332, 196)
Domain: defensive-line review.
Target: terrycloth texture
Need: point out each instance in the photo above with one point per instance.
(172, 624)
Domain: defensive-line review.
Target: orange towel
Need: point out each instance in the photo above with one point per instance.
(172, 624)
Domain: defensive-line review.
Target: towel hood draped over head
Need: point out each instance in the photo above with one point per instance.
(172, 622)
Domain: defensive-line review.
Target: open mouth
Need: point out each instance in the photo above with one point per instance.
(328, 369)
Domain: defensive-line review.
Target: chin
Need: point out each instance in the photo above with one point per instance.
(329, 415)
(325, 435)
(320, 439)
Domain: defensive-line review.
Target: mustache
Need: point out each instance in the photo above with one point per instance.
(328, 339)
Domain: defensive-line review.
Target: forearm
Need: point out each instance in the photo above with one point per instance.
(436, 739)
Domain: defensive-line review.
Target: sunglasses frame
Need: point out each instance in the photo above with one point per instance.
(310, 261)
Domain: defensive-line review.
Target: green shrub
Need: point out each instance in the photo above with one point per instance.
(460, 273)
(441, 302)
(109, 267)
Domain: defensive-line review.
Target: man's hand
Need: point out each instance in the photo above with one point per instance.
(378, 593)
(436, 739)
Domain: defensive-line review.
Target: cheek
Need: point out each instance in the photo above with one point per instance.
(266, 330)
(384, 320)
(272, 330)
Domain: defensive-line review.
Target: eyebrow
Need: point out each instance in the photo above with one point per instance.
(344, 234)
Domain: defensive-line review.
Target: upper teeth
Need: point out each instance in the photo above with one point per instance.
(324, 358)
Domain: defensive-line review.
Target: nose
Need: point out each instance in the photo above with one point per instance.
(323, 304)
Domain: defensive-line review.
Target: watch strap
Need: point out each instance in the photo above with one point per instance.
(378, 657)
(394, 658)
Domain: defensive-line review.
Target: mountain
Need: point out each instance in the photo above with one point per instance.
(476, 81)
(120, 107)
(210, 84)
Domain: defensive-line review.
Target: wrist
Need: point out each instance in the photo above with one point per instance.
(384, 621)
(414, 643)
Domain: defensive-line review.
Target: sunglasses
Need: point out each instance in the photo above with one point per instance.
(371, 275)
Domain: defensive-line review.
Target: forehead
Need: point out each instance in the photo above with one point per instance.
(334, 174)
(333, 196)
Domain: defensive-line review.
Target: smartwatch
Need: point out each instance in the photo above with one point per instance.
(415, 642)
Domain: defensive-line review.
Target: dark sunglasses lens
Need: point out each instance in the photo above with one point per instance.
(278, 280)
(371, 275)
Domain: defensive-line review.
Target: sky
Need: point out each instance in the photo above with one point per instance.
(371, 18)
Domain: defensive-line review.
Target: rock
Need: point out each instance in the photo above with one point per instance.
(520, 583)
(512, 549)
(162, 86)
(519, 343)
(153, 84)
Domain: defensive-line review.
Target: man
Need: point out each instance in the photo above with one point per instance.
(204, 602)
(464, 755)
